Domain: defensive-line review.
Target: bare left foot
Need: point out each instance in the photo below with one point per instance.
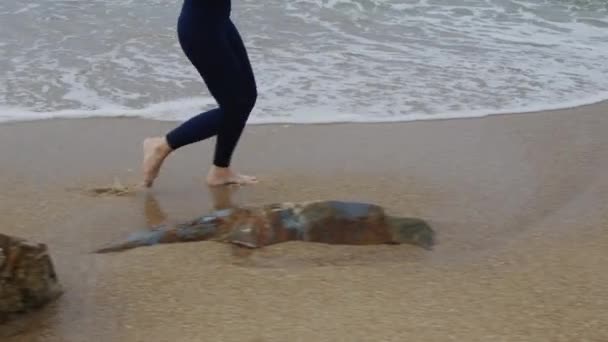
(155, 151)
(224, 176)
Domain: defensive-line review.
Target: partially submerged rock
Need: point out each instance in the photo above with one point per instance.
(331, 222)
(27, 276)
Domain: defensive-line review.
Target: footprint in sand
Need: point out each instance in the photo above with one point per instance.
(115, 189)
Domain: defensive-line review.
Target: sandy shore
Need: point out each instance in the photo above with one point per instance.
(519, 204)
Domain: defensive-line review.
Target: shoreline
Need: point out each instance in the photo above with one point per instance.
(603, 103)
(517, 202)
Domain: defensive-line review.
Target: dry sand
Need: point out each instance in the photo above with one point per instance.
(518, 202)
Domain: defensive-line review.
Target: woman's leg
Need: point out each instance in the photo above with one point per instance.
(237, 102)
(236, 106)
(220, 57)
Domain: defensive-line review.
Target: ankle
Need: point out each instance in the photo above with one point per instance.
(163, 146)
(220, 170)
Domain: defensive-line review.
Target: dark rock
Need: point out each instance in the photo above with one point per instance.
(27, 276)
(331, 222)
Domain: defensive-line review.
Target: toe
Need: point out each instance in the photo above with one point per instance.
(248, 180)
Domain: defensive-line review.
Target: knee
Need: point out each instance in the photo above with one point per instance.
(242, 104)
(247, 102)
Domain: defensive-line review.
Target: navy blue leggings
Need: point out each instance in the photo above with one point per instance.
(213, 45)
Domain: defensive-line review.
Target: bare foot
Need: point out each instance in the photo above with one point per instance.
(223, 176)
(155, 151)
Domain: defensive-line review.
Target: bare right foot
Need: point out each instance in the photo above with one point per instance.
(155, 151)
(225, 176)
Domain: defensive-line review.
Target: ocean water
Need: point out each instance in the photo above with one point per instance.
(315, 60)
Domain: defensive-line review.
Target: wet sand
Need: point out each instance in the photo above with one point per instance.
(518, 202)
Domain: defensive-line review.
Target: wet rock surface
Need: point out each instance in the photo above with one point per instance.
(330, 222)
(27, 277)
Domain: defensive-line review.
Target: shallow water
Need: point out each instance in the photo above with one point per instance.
(315, 60)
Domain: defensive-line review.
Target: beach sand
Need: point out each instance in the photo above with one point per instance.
(518, 203)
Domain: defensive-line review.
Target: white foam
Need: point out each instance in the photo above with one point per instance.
(26, 8)
(316, 61)
(319, 115)
(159, 111)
